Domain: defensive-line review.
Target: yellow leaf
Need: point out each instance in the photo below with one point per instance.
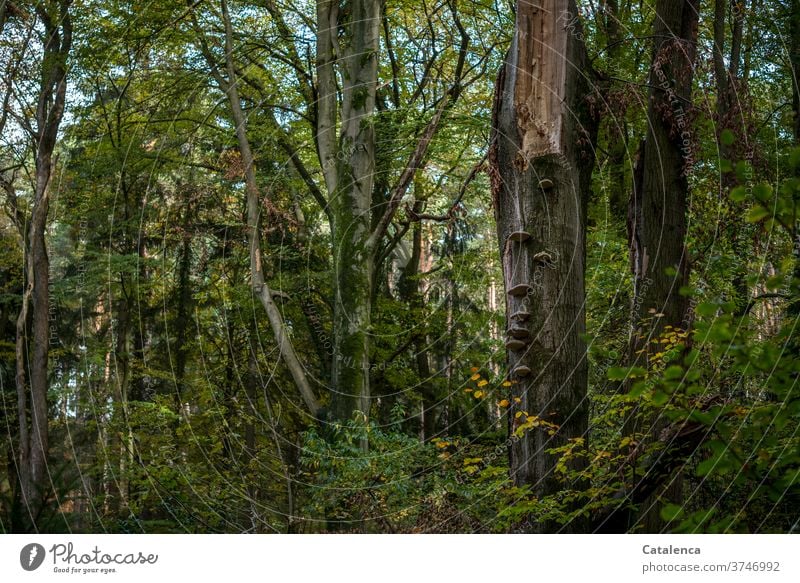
(504, 403)
(479, 394)
(483, 383)
(467, 390)
(517, 400)
(506, 384)
(473, 369)
(518, 414)
(475, 377)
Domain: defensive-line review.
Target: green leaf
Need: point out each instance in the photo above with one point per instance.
(638, 389)
(727, 138)
(706, 309)
(738, 194)
(660, 398)
(763, 192)
(758, 213)
(705, 467)
(671, 512)
(617, 373)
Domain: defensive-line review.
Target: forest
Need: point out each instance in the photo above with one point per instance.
(399, 266)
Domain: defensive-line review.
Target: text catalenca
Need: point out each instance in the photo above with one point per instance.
(670, 550)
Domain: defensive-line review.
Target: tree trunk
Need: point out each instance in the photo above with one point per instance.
(729, 116)
(348, 165)
(616, 125)
(409, 288)
(794, 63)
(541, 162)
(260, 287)
(348, 42)
(659, 230)
(33, 334)
(658, 206)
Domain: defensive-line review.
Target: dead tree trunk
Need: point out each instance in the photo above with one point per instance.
(541, 163)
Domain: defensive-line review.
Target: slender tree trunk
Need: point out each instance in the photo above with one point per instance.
(33, 335)
(616, 125)
(410, 292)
(184, 296)
(729, 116)
(261, 288)
(541, 162)
(348, 35)
(794, 62)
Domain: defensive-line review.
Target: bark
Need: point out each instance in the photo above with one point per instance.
(657, 226)
(183, 317)
(794, 61)
(658, 229)
(616, 125)
(720, 71)
(33, 334)
(411, 292)
(541, 162)
(349, 166)
(729, 112)
(726, 78)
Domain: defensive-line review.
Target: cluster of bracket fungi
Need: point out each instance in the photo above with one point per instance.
(518, 332)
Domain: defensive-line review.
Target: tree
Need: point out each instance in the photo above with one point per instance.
(657, 215)
(361, 213)
(542, 160)
(228, 81)
(53, 23)
(347, 43)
